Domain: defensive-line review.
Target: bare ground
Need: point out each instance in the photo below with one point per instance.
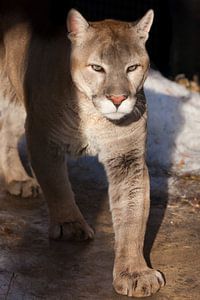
(32, 267)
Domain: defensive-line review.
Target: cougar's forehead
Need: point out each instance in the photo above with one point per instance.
(114, 52)
(109, 42)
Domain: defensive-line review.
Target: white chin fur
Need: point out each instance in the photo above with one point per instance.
(114, 116)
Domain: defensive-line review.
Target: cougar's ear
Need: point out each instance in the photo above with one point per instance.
(76, 24)
(144, 25)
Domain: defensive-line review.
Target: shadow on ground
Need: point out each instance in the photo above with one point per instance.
(34, 268)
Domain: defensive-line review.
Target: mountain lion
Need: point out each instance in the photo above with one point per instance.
(83, 95)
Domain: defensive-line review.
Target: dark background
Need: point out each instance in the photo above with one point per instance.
(174, 43)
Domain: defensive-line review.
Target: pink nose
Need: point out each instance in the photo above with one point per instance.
(117, 100)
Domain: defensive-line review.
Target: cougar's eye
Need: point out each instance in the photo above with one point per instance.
(132, 68)
(97, 68)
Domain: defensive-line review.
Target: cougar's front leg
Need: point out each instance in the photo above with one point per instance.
(129, 201)
(49, 165)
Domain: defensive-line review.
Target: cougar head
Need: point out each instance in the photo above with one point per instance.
(109, 62)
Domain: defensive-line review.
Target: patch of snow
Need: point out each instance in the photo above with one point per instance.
(173, 126)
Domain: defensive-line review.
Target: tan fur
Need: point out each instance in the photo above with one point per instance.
(70, 110)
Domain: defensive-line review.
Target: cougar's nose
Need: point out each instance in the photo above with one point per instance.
(117, 99)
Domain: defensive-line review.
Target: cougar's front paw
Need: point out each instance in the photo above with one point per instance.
(138, 284)
(71, 230)
(27, 188)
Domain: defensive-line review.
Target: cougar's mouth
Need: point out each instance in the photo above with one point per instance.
(112, 111)
(115, 115)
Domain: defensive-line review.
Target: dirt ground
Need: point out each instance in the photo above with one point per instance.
(32, 267)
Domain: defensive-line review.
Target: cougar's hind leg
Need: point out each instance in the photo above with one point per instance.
(17, 181)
